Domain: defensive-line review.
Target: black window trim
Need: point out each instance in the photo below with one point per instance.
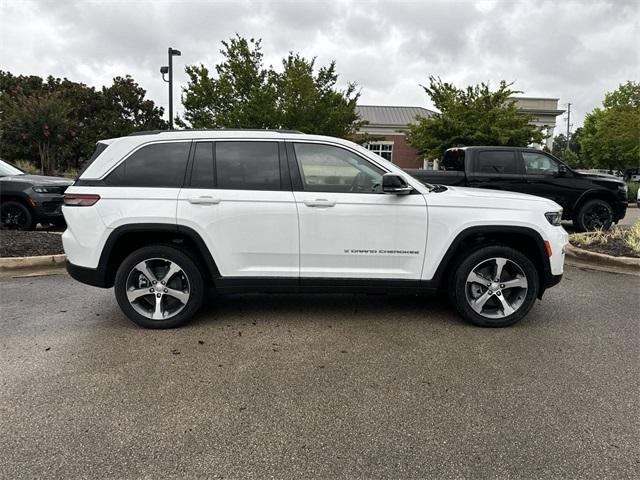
(295, 168)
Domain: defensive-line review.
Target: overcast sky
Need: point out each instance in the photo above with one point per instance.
(574, 51)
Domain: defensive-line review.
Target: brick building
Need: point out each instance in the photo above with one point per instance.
(387, 123)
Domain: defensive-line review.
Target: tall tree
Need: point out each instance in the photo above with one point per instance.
(472, 116)
(88, 115)
(571, 154)
(38, 121)
(611, 135)
(246, 94)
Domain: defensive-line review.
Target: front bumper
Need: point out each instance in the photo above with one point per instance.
(47, 206)
(620, 210)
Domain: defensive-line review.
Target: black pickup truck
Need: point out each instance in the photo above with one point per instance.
(593, 202)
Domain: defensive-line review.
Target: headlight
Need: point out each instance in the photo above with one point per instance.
(41, 189)
(554, 218)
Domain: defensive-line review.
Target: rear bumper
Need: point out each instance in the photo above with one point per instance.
(95, 277)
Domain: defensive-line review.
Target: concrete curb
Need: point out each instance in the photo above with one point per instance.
(19, 263)
(631, 265)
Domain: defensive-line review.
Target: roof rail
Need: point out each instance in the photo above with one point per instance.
(155, 132)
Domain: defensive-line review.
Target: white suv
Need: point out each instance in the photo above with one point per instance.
(162, 216)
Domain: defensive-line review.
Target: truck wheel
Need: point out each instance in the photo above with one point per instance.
(159, 287)
(16, 216)
(594, 215)
(495, 287)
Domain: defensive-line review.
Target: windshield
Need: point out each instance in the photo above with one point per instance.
(7, 170)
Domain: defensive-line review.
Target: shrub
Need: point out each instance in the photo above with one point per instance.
(633, 190)
(27, 167)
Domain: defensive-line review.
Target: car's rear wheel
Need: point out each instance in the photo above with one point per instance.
(495, 286)
(15, 216)
(159, 287)
(594, 215)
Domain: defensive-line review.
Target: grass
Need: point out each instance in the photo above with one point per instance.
(628, 237)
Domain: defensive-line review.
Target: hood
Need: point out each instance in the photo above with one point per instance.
(38, 180)
(601, 177)
(482, 196)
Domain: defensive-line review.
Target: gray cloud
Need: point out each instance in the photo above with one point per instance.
(572, 50)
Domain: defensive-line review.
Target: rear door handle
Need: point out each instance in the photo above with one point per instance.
(204, 200)
(320, 202)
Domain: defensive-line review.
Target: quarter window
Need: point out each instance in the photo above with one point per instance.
(539, 164)
(492, 162)
(155, 165)
(247, 165)
(325, 168)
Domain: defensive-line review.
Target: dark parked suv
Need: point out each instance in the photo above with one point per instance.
(593, 202)
(26, 200)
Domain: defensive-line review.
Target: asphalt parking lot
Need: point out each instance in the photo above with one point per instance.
(320, 386)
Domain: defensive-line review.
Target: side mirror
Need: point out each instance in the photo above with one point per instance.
(562, 170)
(396, 184)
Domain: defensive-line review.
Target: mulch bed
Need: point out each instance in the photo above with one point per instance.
(29, 244)
(614, 246)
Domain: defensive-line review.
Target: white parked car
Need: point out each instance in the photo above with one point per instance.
(164, 215)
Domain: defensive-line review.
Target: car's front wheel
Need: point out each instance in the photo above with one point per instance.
(15, 216)
(159, 287)
(495, 286)
(594, 215)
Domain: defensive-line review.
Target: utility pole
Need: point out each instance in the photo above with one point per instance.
(169, 70)
(568, 123)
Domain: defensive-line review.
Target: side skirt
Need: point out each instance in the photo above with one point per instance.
(231, 285)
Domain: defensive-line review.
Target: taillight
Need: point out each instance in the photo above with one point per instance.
(80, 199)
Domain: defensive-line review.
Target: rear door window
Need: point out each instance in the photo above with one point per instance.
(155, 165)
(492, 162)
(247, 165)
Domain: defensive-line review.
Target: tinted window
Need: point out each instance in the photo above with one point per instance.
(247, 165)
(325, 168)
(156, 165)
(539, 164)
(202, 172)
(453, 160)
(496, 162)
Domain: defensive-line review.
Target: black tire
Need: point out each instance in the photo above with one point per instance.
(460, 293)
(194, 283)
(16, 216)
(594, 215)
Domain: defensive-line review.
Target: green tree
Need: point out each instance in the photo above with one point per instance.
(246, 94)
(37, 120)
(472, 116)
(572, 154)
(88, 116)
(611, 135)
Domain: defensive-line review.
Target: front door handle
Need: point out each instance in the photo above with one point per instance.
(320, 202)
(204, 200)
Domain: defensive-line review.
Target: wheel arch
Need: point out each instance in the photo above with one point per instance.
(128, 238)
(526, 240)
(593, 194)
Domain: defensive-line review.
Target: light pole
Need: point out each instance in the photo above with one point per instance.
(169, 69)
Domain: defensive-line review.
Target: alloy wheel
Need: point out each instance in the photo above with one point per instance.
(158, 288)
(597, 217)
(496, 287)
(13, 217)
